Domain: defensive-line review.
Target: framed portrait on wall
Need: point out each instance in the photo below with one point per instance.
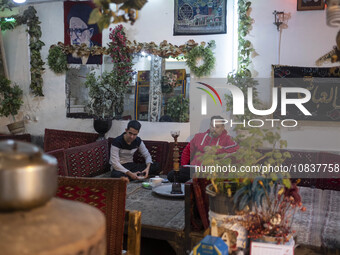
(3, 63)
(200, 17)
(77, 31)
(310, 5)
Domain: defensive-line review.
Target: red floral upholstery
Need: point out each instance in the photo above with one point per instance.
(158, 151)
(88, 160)
(60, 156)
(108, 195)
(170, 159)
(23, 137)
(58, 139)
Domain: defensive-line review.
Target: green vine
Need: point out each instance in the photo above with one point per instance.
(57, 60)
(206, 54)
(6, 4)
(242, 78)
(30, 18)
(7, 23)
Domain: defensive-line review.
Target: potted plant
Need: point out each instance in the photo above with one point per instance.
(105, 96)
(10, 103)
(271, 217)
(177, 108)
(236, 186)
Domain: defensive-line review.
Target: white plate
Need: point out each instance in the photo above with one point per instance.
(165, 190)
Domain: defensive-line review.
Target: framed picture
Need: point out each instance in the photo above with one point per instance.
(310, 5)
(3, 64)
(203, 17)
(77, 30)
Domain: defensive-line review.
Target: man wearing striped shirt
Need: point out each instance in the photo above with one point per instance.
(122, 149)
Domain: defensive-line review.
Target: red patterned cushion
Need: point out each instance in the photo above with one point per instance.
(108, 195)
(88, 160)
(58, 139)
(60, 156)
(158, 151)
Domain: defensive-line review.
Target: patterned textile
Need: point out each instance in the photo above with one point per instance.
(58, 139)
(158, 151)
(301, 157)
(108, 195)
(308, 224)
(60, 156)
(170, 155)
(88, 160)
(23, 137)
(331, 228)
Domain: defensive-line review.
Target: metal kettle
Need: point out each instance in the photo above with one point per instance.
(28, 177)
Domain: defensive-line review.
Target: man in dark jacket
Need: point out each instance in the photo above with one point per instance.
(122, 149)
(216, 135)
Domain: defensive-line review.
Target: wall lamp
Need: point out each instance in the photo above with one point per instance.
(279, 19)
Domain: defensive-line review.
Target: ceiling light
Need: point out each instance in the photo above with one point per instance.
(19, 1)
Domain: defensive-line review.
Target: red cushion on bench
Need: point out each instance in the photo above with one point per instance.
(88, 160)
(57, 139)
(108, 195)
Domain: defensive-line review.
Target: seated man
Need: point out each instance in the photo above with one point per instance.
(202, 142)
(122, 149)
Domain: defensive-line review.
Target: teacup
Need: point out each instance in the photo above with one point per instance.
(155, 181)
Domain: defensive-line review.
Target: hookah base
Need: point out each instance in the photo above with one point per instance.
(176, 188)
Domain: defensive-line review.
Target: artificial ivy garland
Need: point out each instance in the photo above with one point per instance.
(30, 18)
(57, 60)
(208, 58)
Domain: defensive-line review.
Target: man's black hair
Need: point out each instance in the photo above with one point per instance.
(134, 124)
(217, 117)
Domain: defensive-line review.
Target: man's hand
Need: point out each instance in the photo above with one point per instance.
(146, 170)
(133, 176)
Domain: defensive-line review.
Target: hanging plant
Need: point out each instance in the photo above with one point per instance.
(242, 78)
(164, 49)
(7, 23)
(30, 18)
(6, 4)
(57, 60)
(207, 56)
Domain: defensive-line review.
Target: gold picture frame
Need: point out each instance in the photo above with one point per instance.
(310, 5)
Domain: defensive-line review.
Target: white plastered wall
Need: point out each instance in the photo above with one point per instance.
(304, 40)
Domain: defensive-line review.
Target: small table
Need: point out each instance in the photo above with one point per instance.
(162, 217)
